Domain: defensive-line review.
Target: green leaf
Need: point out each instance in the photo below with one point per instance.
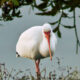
(59, 33)
(64, 14)
(56, 29)
(16, 3)
(70, 27)
(42, 5)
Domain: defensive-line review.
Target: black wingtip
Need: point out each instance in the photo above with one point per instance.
(17, 55)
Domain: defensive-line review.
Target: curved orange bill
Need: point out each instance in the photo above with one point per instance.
(47, 35)
(49, 49)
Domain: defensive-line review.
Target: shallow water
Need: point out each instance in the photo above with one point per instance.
(11, 30)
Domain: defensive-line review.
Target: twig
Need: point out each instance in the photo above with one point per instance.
(76, 34)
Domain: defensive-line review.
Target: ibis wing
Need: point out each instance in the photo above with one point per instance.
(28, 42)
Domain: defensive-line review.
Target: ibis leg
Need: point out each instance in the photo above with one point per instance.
(37, 68)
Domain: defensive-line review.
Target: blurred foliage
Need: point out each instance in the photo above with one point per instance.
(11, 9)
(47, 7)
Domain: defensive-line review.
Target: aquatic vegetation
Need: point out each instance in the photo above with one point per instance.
(5, 74)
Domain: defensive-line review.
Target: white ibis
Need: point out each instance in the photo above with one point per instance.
(36, 43)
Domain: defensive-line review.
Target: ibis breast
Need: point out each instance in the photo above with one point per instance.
(44, 48)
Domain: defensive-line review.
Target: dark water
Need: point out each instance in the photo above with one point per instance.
(66, 47)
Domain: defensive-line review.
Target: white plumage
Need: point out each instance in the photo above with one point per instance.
(33, 43)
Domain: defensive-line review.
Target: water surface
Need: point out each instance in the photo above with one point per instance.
(11, 30)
